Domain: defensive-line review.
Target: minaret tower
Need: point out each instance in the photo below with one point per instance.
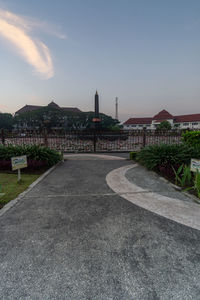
(96, 105)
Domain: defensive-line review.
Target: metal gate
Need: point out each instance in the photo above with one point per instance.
(92, 141)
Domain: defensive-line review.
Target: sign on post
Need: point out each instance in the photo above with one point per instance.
(96, 120)
(1, 194)
(195, 165)
(18, 163)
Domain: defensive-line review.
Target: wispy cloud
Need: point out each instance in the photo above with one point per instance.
(17, 30)
(46, 27)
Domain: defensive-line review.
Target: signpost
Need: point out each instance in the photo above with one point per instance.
(96, 120)
(195, 165)
(1, 194)
(18, 163)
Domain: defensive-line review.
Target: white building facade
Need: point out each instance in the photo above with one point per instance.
(177, 122)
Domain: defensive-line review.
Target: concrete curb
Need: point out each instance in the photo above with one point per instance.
(23, 194)
(176, 187)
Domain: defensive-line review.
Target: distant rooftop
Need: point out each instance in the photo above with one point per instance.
(138, 121)
(187, 118)
(28, 108)
(164, 115)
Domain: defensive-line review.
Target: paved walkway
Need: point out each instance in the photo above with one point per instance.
(72, 237)
(150, 191)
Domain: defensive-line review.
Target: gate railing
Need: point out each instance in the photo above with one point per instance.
(92, 141)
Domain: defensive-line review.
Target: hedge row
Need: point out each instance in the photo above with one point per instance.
(38, 157)
(191, 138)
(164, 158)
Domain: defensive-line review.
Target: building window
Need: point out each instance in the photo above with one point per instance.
(195, 123)
(148, 125)
(140, 125)
(185, 124)
(133, 125)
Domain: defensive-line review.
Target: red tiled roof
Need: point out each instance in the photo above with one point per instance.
(158, 121)
(163, 115)
(138, 121)
(187, 118)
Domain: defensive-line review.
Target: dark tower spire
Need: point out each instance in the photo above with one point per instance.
(96, 105)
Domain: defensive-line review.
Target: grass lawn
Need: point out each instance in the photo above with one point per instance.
(12, 188)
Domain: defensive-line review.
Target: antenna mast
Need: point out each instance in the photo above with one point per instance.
(116, 108)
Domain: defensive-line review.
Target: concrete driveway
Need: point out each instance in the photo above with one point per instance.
(72, 237)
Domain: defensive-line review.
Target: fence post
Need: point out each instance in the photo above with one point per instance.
(144, 137)
(45, 138)
(2, 136)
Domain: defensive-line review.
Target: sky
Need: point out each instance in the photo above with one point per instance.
(146, 53)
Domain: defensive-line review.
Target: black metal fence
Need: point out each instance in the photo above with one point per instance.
(92, 141)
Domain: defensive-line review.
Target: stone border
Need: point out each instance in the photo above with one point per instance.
(185, 213)
(176, 187)
(23, 194)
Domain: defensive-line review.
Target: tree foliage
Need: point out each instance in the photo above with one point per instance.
(191, 138)
(6, 121)
(164, 125)
(45, 117)
(52, 118)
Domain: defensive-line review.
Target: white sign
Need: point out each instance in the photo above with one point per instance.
(195, 165)
(19, 162)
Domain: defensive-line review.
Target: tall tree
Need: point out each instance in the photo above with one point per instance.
(51, 117)
(164, 125)
(6, 121)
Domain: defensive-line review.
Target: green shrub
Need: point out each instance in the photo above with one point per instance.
(132, 155)
(196, 185)
(162, 155)
(183, 176)
(164, 126)
(33, 152)
(191, 138)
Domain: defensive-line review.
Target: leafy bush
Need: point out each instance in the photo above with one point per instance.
(166, 155)
(164, 125)
(196, 184)
(132, 155)
(191, 138)
(37, 156)
(183, 176)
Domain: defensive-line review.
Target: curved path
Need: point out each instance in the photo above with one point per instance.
(72, 237)
(184, 212)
